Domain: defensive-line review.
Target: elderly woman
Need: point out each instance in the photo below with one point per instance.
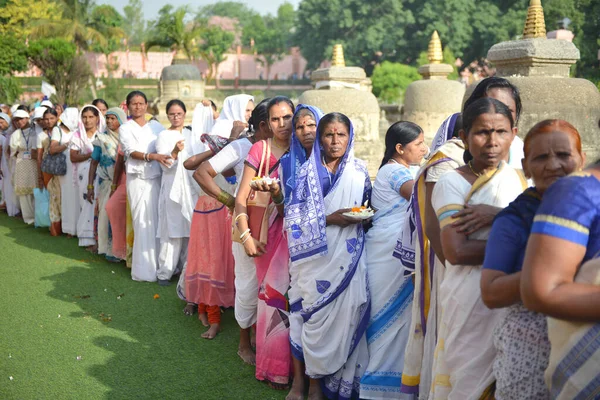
(102, 167)
(25, 178)
(272, 333)
(552, 150)
(465, 352)
(560, 279)
(91, 123)
(326, 251)
(69, 195)
(138, 142)
(8, 192)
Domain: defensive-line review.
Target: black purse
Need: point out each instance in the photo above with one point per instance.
(55, 164)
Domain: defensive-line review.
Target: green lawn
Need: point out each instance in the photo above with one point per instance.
(73, 326)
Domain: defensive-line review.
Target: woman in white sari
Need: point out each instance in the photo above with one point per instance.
(69, 197)
(138, 142)
(390, 287)
(465, 352)
(8, 192)
(103, 162)
(91, 122)
(173, 222)
(327, 249)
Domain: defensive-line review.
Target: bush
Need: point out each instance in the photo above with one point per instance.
(390, 81)
(10, 89)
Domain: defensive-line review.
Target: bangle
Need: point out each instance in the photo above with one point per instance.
(240, 216)
(113, 186)
(90, 187)
(278, 200)
(246, 239)
(146, 157)
(226, 198)
(246, 232)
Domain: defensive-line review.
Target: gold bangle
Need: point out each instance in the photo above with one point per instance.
(226, 198)
(90, 187)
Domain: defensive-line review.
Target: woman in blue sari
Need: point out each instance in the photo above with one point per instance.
(326, 249)
(552, 150)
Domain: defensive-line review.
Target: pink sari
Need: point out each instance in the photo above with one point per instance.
(273, 355)
(116, 211)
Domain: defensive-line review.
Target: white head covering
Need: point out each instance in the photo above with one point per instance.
(101, 121)
(14, 108)
(202, 122)
(81, 141)
(5, 117)
(47, 103)
(38, 113)
(70, 118)
(234, 109)
(20, 114)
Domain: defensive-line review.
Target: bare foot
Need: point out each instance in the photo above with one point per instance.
(211, 332)
(314, 391)
(92, 249)
(203, 318)
(190, 309)
(278, 386)
(253, 336)
(297, 391)
(247, 355)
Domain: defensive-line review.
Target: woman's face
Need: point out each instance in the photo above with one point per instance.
(552, 156)
(137, 107)
(306, 130)
(504, 96)
(90, 121)
(280, 121)
(100, 106)
(414, 151)
(334, 140)
(59, 109)
(112, 122)
(20, 123)
(176, 116)
(249, 109)
(3, 124)
(50, 121)
(489, 139)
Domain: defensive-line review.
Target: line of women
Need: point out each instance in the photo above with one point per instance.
(465, 284)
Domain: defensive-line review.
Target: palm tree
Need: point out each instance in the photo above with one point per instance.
(171, 30)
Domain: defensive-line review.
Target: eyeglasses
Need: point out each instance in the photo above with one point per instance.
(176, 116)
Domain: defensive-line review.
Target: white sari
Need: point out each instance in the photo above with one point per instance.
(331, 293)
(8, 192)
(69, 194)
(465, 352)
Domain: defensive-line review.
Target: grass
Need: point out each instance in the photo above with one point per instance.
(73, 326)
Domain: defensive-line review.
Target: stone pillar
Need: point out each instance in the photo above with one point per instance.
(348, 90)
(430, 101)
(540, 68)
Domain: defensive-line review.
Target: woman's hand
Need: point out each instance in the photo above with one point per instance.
(338, 218)
(178, 146)
(262, 186)
(238, 128)
(474, 217)
(40, 183)
(254, 248)
(166, 161)
(90, 195)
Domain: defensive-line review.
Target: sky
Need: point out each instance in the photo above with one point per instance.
(151, 7)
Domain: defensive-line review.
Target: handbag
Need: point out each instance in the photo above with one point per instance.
(258, 205)
(55, 164)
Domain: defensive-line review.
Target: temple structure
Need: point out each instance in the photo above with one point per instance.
(430, 101)
(348, 90)
(540, 68)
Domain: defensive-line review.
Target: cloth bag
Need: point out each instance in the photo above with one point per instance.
(55, 164)
(42, 207)
(257, 205)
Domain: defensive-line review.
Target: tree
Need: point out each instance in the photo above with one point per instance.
(107, 20)
(62, 65)
(171, 30)
(215, 42)
(17, 16)
(230, 9)
(390, 80)
(134, 23)
(13, 58)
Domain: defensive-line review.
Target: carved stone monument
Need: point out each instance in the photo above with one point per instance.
(430, 101)
(348, 90)
(540, 68)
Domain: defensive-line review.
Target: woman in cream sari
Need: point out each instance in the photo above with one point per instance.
(69, 197)
(22, 144)
(103, 165)
(465, 352)
(327, 250)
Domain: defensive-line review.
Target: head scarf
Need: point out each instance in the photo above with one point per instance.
(444, 133)
(47, 104)
(14, 108)
(119, 113)
(202, 123)
(38, 113)
(70, 118)
(292, 161)
(305, 219)
(234, 109)
(80, 139)
(5, 117)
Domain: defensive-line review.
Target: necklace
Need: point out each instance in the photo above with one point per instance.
(470, 164)
(278, 146)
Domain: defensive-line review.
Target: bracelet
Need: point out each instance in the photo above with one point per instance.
(246, 232)
(90, 187)
(226, 198)
(247, 238)
(278, 200)
(113, 186)
(240, 216)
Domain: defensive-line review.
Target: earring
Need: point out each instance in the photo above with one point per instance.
(401, 152)
(466, 146)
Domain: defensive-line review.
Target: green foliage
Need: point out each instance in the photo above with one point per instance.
(10, 89)
(230, 9)
(215, 42)
(13, 55)
(62, 66)
(390, 80)
(171, 29)
(134, 23)
(18, 17)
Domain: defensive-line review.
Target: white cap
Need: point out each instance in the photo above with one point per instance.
(38, 113)
(20, 114)
(47, 103)
(14, 108)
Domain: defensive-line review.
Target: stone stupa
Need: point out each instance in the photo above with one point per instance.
(430, 101)
(540, 68)
(348, 90)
